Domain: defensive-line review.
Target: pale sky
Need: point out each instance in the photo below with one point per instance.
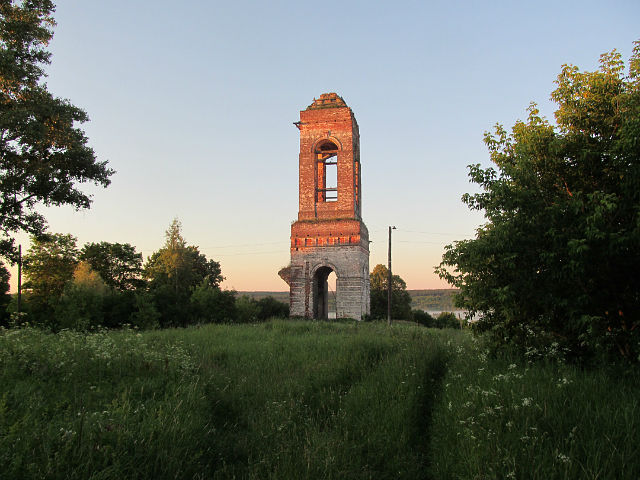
(192, 103)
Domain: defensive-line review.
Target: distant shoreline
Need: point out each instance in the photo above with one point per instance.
(429, 300)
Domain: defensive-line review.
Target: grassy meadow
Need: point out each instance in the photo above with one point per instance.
(293, 399)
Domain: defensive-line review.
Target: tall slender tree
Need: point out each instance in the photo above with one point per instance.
(174, 272)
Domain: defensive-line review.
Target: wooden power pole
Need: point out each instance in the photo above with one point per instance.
(389, 281)
(19, 276)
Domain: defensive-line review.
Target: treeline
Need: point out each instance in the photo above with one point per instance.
(109, 285)
(433, 300)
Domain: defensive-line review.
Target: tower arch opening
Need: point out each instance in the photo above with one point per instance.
(332, 282)
(321, 293)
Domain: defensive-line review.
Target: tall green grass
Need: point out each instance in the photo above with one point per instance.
(279, 400)
(500, 418)
(290, 400)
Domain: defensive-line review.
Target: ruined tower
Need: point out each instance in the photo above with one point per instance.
(329, 234)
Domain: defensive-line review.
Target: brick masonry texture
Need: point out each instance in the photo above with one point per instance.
(329, 234)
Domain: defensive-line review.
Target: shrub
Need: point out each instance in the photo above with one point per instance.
(447, 320)
(212, 305)
(423, 318)
(247, 310)
(269, 307)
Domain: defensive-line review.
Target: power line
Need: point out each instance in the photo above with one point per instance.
(243, 245)
(435, 233)
(421, 242)
(250, 253)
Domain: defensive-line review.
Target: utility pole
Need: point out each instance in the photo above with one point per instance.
(19, 275)
(390, 280)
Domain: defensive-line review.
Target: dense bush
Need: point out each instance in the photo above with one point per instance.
(212, 305)
(269, 307)
(443, 320)
(422, 317)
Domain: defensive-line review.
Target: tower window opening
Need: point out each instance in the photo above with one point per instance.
(327, 168)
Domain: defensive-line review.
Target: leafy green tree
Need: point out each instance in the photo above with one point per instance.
(81, 305)
(181, 266)
(174, 272)
(558, 259)
(49, 264)
(43, 155)
(400, 298)
(119, 265)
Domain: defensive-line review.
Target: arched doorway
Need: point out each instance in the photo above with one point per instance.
(321, 293)
(332, 282)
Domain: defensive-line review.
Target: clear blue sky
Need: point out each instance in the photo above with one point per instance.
(193, 102)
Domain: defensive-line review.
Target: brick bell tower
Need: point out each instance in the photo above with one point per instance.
(329, 234)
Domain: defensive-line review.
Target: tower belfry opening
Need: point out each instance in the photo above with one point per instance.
(329, 235)
(327, 168)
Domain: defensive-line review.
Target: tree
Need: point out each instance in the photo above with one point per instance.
(558, 259)
(49, 264)
(81, 305)
(119, 265)
(174, 272)
(180, 266)
(43, 155)
(400, 298)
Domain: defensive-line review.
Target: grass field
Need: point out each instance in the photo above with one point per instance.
(290, 399)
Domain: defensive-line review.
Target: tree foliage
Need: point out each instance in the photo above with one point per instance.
(558, 259)
(174, 272)
(49, 264)
(102, 285)
(119, 265)
(81, 305)
(180, 266)
(212, 305)
(400, 298)
(43, 155)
